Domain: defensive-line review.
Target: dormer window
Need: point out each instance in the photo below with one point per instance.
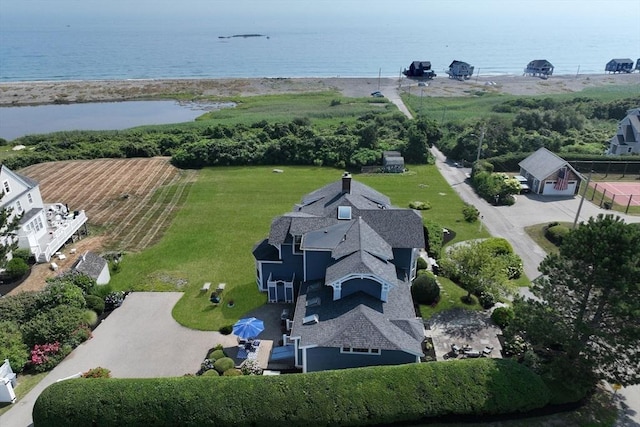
(344, 212)
(297, 242)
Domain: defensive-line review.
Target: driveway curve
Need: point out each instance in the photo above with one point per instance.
(138, 340)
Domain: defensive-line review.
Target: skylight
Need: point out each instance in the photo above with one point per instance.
(344, 212)
(313, 302)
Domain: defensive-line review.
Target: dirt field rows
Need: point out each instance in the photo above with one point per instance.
(129, 202)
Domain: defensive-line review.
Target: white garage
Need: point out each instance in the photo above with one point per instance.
(549, 174)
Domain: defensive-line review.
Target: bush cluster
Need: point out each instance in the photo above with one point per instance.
(470, 213)
(556, 233)
(420, 206)
(38, 329)
(366, 396)
(425, 289)
(502, 316)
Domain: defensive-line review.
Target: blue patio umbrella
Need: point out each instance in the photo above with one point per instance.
(249, 327)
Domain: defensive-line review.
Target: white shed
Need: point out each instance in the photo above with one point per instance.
(94, 266)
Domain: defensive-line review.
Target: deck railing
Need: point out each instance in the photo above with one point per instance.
(61, 235)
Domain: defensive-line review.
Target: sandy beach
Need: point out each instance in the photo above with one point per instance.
(50, 92)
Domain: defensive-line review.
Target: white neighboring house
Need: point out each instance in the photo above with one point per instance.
(94, 266)
(627, 139)
(44, 228)
(549, 174)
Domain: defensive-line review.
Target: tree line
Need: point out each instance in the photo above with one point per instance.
(522, 125)
(348, 144)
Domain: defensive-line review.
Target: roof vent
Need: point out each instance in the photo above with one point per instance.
(312, 302)
(310, 320)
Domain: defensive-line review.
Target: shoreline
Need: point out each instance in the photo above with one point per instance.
(31, 93)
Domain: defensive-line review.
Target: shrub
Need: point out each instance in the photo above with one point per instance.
(24, 254)
(211, 373)
(62, 293)
(47, 356)
(113, 300)
(502, 316)
(79, 336)
(556, 234)
(487, 300)
(221, 365)
(425, 289)
(17, 268)
(422, 263)
(226, 329)
(470, 388)
(514, 266)
(233, 372)
(97, 373)
(53, 325)
(251, 367)
(21, 307)
(95, 303)
(434, 238)
(13, 348)
(216, 354)
(470, 213)
(497, 246)
(90, 317)
(421, 206)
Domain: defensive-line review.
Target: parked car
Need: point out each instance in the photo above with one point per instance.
(377, 94)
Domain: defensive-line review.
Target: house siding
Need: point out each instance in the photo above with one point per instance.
(370, 287)
(316, 264)
(404, 259)
(325, 358)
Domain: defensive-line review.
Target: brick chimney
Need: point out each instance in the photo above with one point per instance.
(346, 182)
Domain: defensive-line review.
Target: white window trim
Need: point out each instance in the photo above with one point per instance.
(6, 187)
(368, 352)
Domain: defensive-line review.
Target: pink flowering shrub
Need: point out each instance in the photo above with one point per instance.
(46, 356)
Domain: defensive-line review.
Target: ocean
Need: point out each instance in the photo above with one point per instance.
(144, 39)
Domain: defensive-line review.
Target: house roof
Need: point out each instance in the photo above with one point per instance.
(457, 63)
(544, 163)
(265, 252)
(90, 264)
(622, 60)
(537, 63)
(27, 182)
(361, 262)
(359, 320)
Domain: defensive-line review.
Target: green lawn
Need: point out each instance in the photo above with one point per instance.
(536, 232)
(229, 209)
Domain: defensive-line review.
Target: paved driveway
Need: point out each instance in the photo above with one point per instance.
(138, 340)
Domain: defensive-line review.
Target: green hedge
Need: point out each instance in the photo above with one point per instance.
(351, 397)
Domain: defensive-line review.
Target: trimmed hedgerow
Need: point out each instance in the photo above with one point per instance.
(350, 397)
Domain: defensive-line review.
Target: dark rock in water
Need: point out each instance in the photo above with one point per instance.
(242, 35)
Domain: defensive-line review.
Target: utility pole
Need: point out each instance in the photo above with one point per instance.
(379, 72)
(584, 193)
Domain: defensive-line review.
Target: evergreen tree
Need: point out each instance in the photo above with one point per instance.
(586, 321)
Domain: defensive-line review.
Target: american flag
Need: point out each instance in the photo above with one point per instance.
(563, 180)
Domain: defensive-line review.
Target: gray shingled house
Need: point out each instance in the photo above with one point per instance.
(627, 138)
(539, 67)
(460, 70)
(94, 266)
(619, 65)
(549, 174)
(348, 256)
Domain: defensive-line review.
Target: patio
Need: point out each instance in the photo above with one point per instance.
(462, 328)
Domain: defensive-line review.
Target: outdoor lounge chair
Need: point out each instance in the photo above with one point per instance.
(487, 350)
